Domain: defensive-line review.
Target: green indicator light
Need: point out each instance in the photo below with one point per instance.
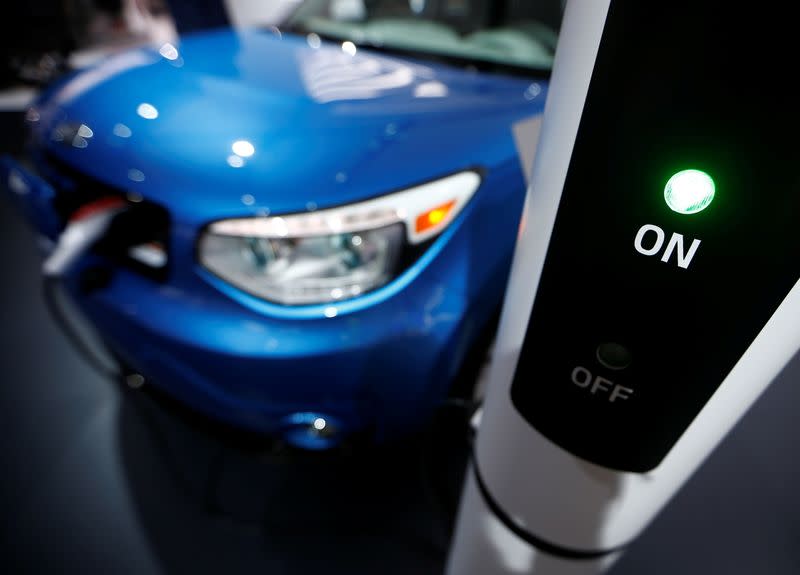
(689, 191)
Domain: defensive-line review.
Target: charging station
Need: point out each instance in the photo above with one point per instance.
(654, 292)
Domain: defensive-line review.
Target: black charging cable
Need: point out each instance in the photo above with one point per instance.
(52, 287)
(85, 228)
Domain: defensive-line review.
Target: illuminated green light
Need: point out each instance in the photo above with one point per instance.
(689, 191)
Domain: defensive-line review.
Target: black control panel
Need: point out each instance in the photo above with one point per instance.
(649, 297)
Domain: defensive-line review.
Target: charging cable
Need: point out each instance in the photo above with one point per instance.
(85, 228)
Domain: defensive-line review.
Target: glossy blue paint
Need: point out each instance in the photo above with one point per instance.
(316, 138)
(31, 195)
(325, 129)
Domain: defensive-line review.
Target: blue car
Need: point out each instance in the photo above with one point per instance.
(303, 230)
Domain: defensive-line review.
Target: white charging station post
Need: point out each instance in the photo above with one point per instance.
(632, 337)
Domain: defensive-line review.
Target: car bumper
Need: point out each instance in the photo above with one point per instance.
(382, 368)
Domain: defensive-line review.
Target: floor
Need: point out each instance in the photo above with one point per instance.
(100, 478)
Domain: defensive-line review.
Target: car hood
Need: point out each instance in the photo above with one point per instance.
(228, 124)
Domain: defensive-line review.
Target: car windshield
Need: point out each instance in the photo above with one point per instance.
(513, 33)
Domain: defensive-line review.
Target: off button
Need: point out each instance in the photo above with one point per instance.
(614, 356)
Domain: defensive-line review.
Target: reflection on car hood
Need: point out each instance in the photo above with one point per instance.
(228, 124)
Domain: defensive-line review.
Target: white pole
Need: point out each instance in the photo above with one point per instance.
(530, 505)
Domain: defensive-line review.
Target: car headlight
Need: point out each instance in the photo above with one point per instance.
(332, 254)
